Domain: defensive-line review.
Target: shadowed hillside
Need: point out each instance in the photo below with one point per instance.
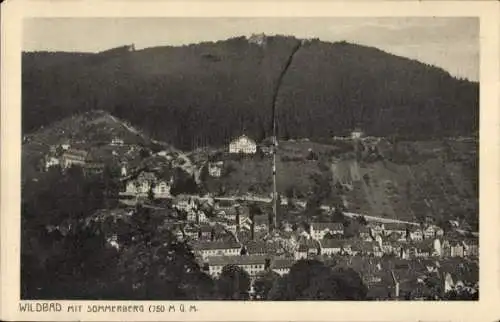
(203, 94)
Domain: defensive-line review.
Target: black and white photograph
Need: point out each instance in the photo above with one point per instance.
(250, 158)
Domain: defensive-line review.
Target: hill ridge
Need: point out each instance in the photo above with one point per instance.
(203, 94)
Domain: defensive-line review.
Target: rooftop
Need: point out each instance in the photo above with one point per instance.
(236, 260)
(210, 245)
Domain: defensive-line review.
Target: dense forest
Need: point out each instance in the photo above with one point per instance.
(204, 94)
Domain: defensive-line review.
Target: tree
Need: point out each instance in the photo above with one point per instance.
(155, 266)
(151, 193)
(264, 283)
(312, 280)
(279, 291)
(184, 183)
(233, 283)
(362, 220)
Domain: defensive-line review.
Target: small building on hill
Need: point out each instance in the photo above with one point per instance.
(357, 133)
(116, 141)
(243, 144)
(215, 168)
(51, 161)
(73, 157)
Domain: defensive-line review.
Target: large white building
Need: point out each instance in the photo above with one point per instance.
(243, 144)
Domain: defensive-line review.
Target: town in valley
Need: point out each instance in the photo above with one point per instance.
(122, 202)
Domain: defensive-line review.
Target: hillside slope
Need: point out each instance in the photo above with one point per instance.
(204, 94)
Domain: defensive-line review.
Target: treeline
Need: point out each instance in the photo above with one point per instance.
(205, 94)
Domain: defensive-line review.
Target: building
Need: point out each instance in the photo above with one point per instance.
(51, 162)
(376, 228)
(432, 231)
(206, 233)
(73, 157)
(217, 248)
(356, 134)
(117, 141)
(256, 247)
(141, 184)
(365, 233)
(215, 169)
(331, 246)
(415, 233)
(282, 265)
(471, 247)
(253, 265)
(318, 230)
(456, 249)
(390, 228)
(243, 144)
(307, 248)
(366, 248)
(191, 232)
(257, 39)
(197, 216)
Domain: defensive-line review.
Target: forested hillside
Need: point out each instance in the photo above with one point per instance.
(204, 94)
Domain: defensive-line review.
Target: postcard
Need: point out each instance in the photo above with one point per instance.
(267, 161)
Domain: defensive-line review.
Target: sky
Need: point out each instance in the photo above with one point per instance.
(450, 43)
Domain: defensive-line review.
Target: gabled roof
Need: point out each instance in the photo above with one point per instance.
(243, 137)
(332, 243)
(307, 244)
(215, 245)
(279, 263)
(237, 260)
(256, 247)
(327, 225)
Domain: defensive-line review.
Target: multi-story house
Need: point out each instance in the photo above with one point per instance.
(415, 233)
(73, 157)
(51, 161)
(253, 264)
(456, 249)
(217, 248)
(197, 216)
(376, 228)
(318, 230)
(243, 144)
(331, 246)
(141, 184)
(282, 265)
(432, 231)
(390, 228)
(307, 248)
(471, 247)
